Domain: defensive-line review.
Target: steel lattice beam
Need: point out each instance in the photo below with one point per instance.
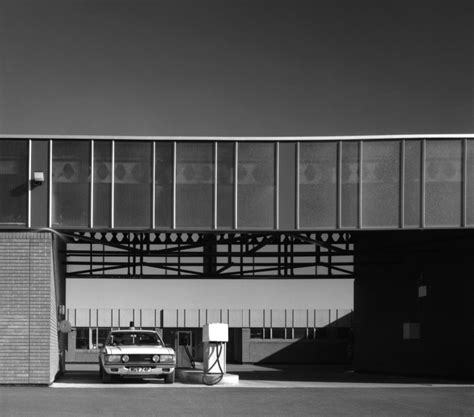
(212, 255)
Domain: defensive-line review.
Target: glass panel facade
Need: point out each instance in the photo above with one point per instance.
(133, 166)
(194, 184)
(102, 183)
(225, 185)
(71, 183)
(381, 183)
(318, 184)
(13, 181)
(412, 183)
(443, 183)
(197, 194)
(350, 184)
(256, 185)
(164, 184)
(470, 182)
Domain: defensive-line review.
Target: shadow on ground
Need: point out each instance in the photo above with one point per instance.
(292, 373)
(329, 373)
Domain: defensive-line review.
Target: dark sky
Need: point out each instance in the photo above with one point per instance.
(228, 67)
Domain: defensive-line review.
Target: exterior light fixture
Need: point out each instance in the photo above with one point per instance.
(38, 178)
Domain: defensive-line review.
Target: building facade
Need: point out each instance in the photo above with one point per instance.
(374, 211)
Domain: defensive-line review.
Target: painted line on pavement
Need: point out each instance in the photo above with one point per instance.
(260, 384)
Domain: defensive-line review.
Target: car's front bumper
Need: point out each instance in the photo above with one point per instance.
(139, 370)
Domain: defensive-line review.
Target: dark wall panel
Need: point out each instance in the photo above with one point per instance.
(318, 185)
(14, 182)
(40, 194)
(287, 180)
(443, 175)
(412, 184)
(350, 178)
(225, 185)
(102, 183)
(256, 185)
(164, 184)
(194, 184)
(381, 183)
(71, 182)
(133, 183)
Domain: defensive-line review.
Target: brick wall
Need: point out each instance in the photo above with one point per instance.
(28, 321)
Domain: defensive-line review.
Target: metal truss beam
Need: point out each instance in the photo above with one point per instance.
(230, 255)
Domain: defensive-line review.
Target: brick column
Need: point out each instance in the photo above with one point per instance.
(29, 351)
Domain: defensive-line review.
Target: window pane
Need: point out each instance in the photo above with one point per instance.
(322, 333)
(318, 187)
(132, 184)
(412, 183)
(299, 333)
(82, 338)
(71, 183)
(102, 335)
(278, 333)
(13, 181)
(381, 183)
(256, 185)
(164, 184)
(194, 184)
(225, 185)
(102, 181)
(470, 182)
(256, 333)
(443, 183)
(350, 184)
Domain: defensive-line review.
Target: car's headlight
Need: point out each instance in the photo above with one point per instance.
(156, 358)
(167, 358)
(125, 358)
(112, 358)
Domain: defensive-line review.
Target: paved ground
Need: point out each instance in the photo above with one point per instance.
(233, 402)
(270, 376)
(263, 391)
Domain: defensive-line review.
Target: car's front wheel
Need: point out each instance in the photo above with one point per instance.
(104, 376)
(169, 378)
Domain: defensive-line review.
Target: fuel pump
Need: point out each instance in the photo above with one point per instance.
(214, 338)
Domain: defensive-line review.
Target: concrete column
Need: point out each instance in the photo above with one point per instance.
(391, 268)
(246, 345)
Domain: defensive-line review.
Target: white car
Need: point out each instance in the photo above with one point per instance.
(136, 353)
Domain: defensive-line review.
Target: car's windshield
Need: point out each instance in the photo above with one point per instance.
(133, 338)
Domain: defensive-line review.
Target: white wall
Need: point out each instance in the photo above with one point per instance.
(209, 293)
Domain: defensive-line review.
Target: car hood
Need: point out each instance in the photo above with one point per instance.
(136, 350)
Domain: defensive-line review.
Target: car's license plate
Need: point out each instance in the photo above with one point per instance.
(140, 370)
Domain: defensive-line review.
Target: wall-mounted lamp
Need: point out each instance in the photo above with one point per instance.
(38, 178)
(422, 287)
(62, 309)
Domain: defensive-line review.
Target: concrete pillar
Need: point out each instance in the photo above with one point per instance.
(29, 292)
(246, 345)
(394, 271)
